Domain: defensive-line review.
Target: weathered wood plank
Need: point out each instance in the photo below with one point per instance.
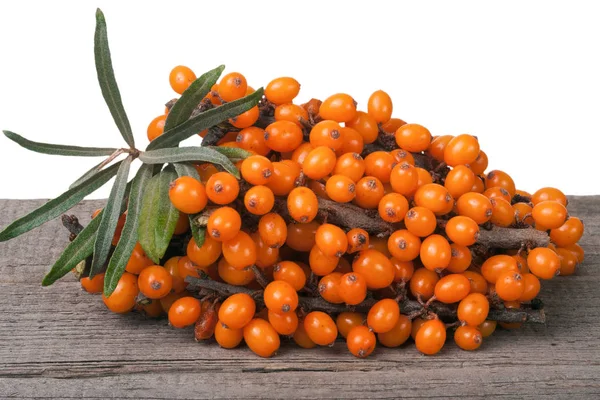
(59, 342)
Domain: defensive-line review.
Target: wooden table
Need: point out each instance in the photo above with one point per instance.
(59, 342)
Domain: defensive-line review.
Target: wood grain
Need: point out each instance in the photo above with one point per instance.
(59, 342)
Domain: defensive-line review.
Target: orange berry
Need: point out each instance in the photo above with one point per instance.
(380, 106)
(365, 125)
(346, 320)
(452, 288)
(522, 213)
(549, 193)
(301, 237)
(188, 195)
(283, 136)
(259, 200)
(404, 178)
(438, 146)
(532, 287)
(253, 139)
(245, 119)
(487, 328)
(404, 245)
(478, 282)
(329, 288)
(460, 260)
(232, 86)
(500, 179)
(207, 254)
(568, 262)
(494, 266)
(475, 206)
(156, 127)
(420, 221)
(222, 188)
(282, 90)
(480, 164)
(237, 310)
(224, 224)
(280, 296)
(353, 142)
(172, 267)
(234, 276)
(435, 198)
(291, 273)
(369, 191)
(398, 334)
(291, 112)
(320, 328)
(321, 264)
(358, 239)
(401, 156)
(550, 214)
(393, 207)
(379, 164)
(265, 256)
(319, 162)
(351, 165)
(284, 177)
(226, 337)
(462, 230)
(510, 286)
(327, 133)
(435, 252)
(361, 341)
(155, 282)
(284, 324)
(461, 149)
(261, 337)
(240, 251)
(413, 137)
(273, 230)
(375, 267)
(352, 288)
(423, 283)
(502, 212)
(302, 204)
(257, 170)
(331, 240)
(431, 337)
(459, 181)
(473, 309)
(403, 270)
(138, 260)
(383, 315)
(340, 188)
(339, 107)
(543, 262)
(299, 155)
(568, 233)
(184, 312)
(181, 78)
(93, 285)
(468, 337)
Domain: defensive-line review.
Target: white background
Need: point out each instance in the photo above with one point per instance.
(522, 76)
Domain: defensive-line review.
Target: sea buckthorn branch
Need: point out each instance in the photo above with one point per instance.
(407, 306)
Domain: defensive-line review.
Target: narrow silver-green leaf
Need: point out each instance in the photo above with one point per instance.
(59, 205)
(110, 218)
(182, 154)
(205, 120)
(198, 234)
(193, 95)
(108, 83)
(233, 153)
(129, 235)
(186, 169)
(91, 172)
(158, 217)
(78, 250)
(58, 149)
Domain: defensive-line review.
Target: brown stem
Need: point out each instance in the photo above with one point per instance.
(259, 276)
(509, 238)
(350, 216)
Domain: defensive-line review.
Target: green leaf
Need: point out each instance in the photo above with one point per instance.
(186, 169)
(158, 217)
(198, 234)
(205, 120)
(181, 154)
(59, 205)
(59, 149)
(106, 78)
(78, 250)
(91, 172)
(193, 95)
(110, 218)
(233, 153)
(129, 235)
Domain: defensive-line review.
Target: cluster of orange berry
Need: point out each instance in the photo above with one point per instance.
(432, 191)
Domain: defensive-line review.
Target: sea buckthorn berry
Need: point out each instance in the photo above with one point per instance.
(392, 126)
(321, 264)
(510, 286)
(435, 252)
(480, 164)
(358, 239)
(180, 78)
(291, 112)
(352, 288)
(568, 262)
(568, 233)
(183, 224)
(343, 266)
(369, 191)
(224, 224)
(413, 137)
(549, 214)
(435, 198)
(365, 125)
(184, 312)
(93, 285)
(531, 289)
(420, 221)
(280, 296)
(301, 237)
(273, 230)
(283, 136)
(438, 145)
(156, 127)
(167, 301)
(339, 107)
(301, 337)
(380, 106)
(188, 195)
(398, 334)
(222, 188)
(152, 309)
(284, 324)
(478, 282)
(423, 283)
(346, 320)
(468, 337)
(459, 181)
(502, 212)
(478, 186)
(379, 164)
(393, 207)
(494, 266)
(361, 341)
(461, 149)
(185, 268)
(261, 337)
(331, 240)
(329, 288)
(282, 90)
(155, 282)
(497, 192)
(380, 244)
(351, 165)
(462, 230)
(299, 155)
(205, 171)
(522, 213)
(172, 267)
(353, 142)
(475, 206)
(229, 139)
(404, 245)
(401, 156)
(497, 178)
(577, 250)
(240, 252)
(460, 260)
(521, 263)
(207, 254)
(284, 177)
(245, 119)
(424, 177)
(375, 267)
(234, 276)
(232, 86)
(327, 133)
(403, 270)
(237, 310)
(319, 163)
(253, 139)
(318, 188)
(549, 193)
(302, 204)
(404, 178)
(320, 328)
(417, 323)
(265, 256)
(473, 309)
(487, 328)
(257, 170)
(543, 262)
(204, 328)
(226, 337)
(431, 337)
(291, 273)
(383, 315)
(340, 188)
(138, 260)
(452, 288)
(259, 200)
